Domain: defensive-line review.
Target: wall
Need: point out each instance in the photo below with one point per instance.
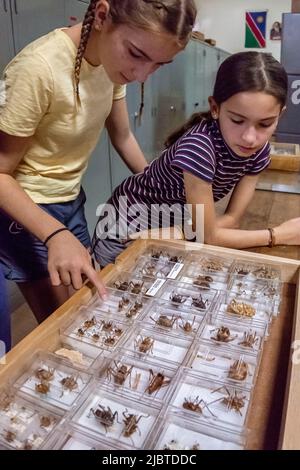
(224, 21)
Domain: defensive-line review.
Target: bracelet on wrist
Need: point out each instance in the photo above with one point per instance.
(272, 240)
(54, 233)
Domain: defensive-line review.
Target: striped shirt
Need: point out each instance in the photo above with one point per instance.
(202, 152)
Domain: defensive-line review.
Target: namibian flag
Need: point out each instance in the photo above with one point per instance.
(255, 29)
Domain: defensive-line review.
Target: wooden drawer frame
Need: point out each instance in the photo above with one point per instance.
(273, 420)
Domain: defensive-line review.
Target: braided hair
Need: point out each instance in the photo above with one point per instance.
(175, 17)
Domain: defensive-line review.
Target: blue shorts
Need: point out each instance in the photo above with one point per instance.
(23, 256)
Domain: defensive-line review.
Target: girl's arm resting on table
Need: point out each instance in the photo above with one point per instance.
(123, 139)
(200, 192)
(239, 201)
(67, 258)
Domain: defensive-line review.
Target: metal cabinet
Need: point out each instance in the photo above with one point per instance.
(6, 34)
(22, 21)
(289, 125)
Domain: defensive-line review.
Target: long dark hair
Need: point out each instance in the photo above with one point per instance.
(240, 72)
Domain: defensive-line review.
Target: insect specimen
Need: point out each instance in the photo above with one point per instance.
(10, 436)
(42, 387)
(249, 339)
(131, 423)
(241, 308)
(177, 298)
(69, 383)
(156, 382)
(233, 400)
(144, 344)
(187, 326)
(211, 264)
(46, 421)
(223, 335)
(195, 404)
(124, 286)
(198, 302)
(107, 325)
(238, 370)
(44, 374)
(110, 340)
(119, 372)
(89, 323)
(164, 320)
(203, 281)
(105, 416)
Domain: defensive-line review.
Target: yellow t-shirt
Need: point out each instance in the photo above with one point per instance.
(38, 100)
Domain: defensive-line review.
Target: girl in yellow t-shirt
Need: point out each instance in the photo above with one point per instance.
(58, 94)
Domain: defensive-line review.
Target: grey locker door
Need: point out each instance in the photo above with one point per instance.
(34, 18)
(6, 34)
(74, 11)
(97, 180)
(288, 129)
(290, 43)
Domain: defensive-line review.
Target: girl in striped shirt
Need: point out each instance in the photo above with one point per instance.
(212, 154)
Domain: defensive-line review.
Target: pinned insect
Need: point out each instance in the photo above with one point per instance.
(186, 326)
(211, 264)
(131, 423)
(5, 401)
(175, 445)
(124, 286)
(238, 370)
(105, 416)
(42, 388)
(196, 405)
(69, 383)
(156, 254)
(240, 289)
(149, 270)
(156, 382)
(95, 337)
(144, 344)
(203, 281)
(136, 287)
(223, 335)
(119, 373)
(110, 340)
(107, 325)
(175, 259)
(265, 272)
(233, 400)
(80, 332)
(138, 305)
(46, 421)
(44, 374)
(167, 322)
(123, 303)
(241, 308)
(89, 323)
(249, 339)
(198, 302)
(117, 331)
(177, 298)
(10, 436)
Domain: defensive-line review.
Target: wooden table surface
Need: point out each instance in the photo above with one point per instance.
(270, 208)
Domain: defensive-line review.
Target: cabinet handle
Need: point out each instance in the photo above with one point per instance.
(16, 8)
(5, 6)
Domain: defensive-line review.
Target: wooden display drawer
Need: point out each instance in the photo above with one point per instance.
(285, 157)
(273, 419)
